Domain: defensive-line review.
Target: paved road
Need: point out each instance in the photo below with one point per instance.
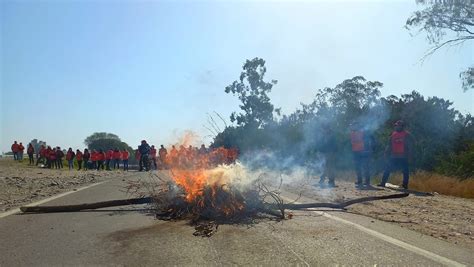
(129, 236)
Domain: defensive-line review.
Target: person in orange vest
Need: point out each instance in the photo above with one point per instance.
(94, 156)
(362, 144)
(53, 158)
(124, 156)
(42, 155)
(108, 157)
(398, 152)
(30, 151)
(70, 158)
(100, 159)
(153, 156)
(162, 153)
(15, 150)
(117, 156)
(85, 157)
(21, 150)
(79, 159)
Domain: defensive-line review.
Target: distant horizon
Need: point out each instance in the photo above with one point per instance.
(153, 70)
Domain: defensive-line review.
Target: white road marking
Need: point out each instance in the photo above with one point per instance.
(17, 210)
(391, 240)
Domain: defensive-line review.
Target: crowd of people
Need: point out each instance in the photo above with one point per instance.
(147, 156)
(397, 152)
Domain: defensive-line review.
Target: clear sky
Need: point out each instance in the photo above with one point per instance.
(153, 69)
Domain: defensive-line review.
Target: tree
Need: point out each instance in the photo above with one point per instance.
(441, 18)
(253, 91)
(106, 141)
(100, 136)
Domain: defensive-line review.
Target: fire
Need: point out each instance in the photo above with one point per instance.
(196, 169)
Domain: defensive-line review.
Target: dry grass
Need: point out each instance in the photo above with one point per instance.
(433, 182)
(423, 181)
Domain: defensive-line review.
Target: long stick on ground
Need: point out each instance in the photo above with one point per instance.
(88, 206)
(342, 205)
(144, 200)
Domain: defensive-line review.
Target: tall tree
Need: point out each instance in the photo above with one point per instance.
(446, 22)
(253, 91)
(100, 136)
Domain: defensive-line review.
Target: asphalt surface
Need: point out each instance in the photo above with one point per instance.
(130, 236)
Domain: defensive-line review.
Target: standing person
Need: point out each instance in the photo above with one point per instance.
(30, 151)
(125, 155)
(59, 157)
(42, 155)
(153, 156)
(53, 158)
(21, 150)
(100, 159)
(70, 155)
(398, 152)
(79, 159)
(173, 158)
(117, 157)
(94, 156)
(144, 150)
(85, 157)
(362, 143)
(48, 153)
(329, 150)
(15, 150)
(138, 157)
(108, 157)
(163, 153)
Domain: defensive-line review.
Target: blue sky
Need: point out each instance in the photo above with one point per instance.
(153, 69)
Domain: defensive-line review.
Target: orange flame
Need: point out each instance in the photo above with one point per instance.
(191, 168)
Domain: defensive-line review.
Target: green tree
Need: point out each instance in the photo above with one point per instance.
(446, 22)
(106, 141)
(252, 91)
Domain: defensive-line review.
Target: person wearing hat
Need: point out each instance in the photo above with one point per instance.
(398, 152)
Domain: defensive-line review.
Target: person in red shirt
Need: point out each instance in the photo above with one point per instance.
(70, 155)
(79, 159)
(153, 156)
(108, 157)
(362, 144)
(30, 151)
(100, 159)
(117, 156)
(53, 159)
(21, 150)
(47, 155)
(398, 151)
(94, 156)
(162, 154)
(124, 155)
(15, 150)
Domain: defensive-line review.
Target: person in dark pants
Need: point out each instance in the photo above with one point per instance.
(153, 156)
(79, 159)
(53, 158)
(117, 156)
(59, 157)
(362, 143)
(100, 159)
(144, 150)
(85, 157)
(398, 151)
(124, 155)
(328, 147)
(15, 150)
(42, 156)
(31, 151)
(108, 157)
